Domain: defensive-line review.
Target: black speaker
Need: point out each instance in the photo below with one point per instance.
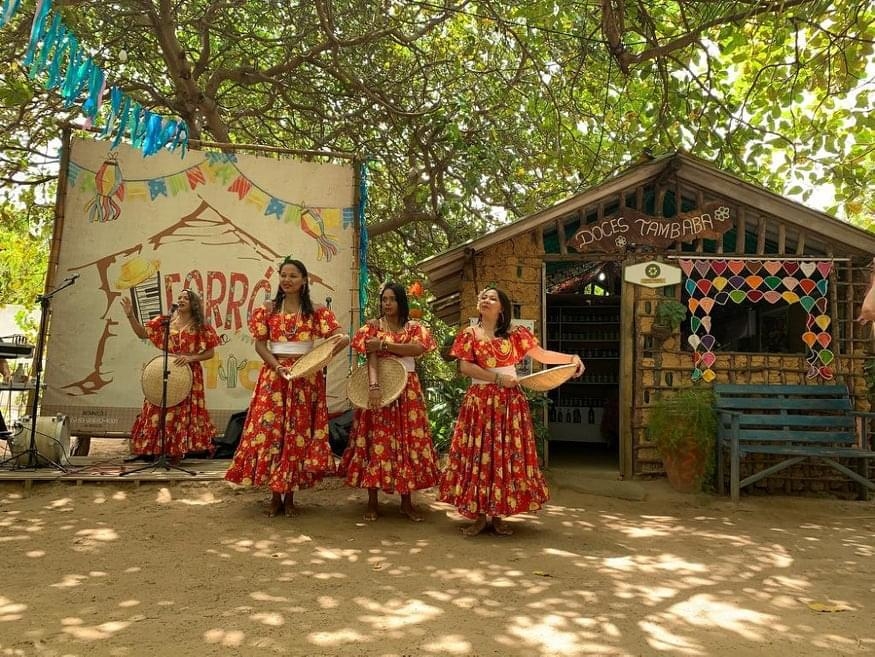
(226, 444)
(338, 431)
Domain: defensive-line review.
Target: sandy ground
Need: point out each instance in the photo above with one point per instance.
(196, 569)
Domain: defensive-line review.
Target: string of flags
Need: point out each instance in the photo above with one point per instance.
(109, 187)
(54, 53)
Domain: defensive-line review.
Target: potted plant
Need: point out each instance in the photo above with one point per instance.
(683, 427)
(669, 315)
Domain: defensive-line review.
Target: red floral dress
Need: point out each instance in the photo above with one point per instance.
(187, 426)
(493, 465)
(391, 447)
(284, 443)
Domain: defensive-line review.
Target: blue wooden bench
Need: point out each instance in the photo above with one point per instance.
(791, 421)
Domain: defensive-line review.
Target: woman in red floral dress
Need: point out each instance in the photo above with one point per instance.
(390, 447)
(284, 444)
(187, 426)
(493, 464)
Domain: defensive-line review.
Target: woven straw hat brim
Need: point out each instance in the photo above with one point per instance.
(315, 359)
(391, 374)
(549, 378)
(179, 380)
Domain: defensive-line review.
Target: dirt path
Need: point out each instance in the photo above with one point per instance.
(195, 569)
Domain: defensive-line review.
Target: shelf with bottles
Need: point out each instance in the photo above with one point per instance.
(576, 420)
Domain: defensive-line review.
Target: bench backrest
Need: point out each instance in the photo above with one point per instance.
(801, 414)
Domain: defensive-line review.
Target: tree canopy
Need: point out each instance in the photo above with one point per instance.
(475, 112)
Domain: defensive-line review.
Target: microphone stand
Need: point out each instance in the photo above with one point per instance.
(161, 461)
(33, 455)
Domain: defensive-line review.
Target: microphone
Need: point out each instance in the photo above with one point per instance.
(174, 307)
(72, 278)
(328, 302)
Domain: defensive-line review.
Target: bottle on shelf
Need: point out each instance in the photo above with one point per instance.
(590, 416)
(576, 416)
(19, 376)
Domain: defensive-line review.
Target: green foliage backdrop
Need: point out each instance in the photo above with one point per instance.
(472, 112)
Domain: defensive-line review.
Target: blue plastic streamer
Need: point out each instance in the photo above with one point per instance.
(122, 121)
(52, 48)
(96, 86)
(37, 29)
(9, 9)
(363, 238)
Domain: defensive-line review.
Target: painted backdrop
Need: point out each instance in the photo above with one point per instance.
(219, 223)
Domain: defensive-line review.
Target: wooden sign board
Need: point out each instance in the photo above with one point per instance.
(631, 227)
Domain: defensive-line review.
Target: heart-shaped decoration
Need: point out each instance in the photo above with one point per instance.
(826, 356)
(755, 296)
(772, 297)
(823, 321)
(825, 268)
(812, 373)
(690, 286)
(789, 282)
(807, 303)
(790, 297)
(706, 304)
(773, 282)
(706, 323)
(692, 304)
(807, 285)
(753, 266)
(753, 282)
(791, 267)
(721, 298)
(737, 296)
(708, 342)
(736, 281)
(696, 375)
(720, 282)
(825, 373)
(809, 338)
(820, 304)
(686, 266)
(824, 339)
(693, 341)
(703, 267)
(718, 267)
(709, 358)
(704, 286)
(808, 268)
(736, 266)
(709, 375)
(773, 266)
(823, 287)
(695, 323)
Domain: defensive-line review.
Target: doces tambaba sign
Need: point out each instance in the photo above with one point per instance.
(628, 227)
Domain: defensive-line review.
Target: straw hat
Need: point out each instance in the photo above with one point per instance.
(178, 381)
(549, 378)
(391, 374)
(135, 271)
(315, 359)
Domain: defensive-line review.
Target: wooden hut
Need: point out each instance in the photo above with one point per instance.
(771, 290)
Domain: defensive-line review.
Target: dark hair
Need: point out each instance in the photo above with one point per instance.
(502, 326)
(400, 297)
(306, 304)
(196, 306)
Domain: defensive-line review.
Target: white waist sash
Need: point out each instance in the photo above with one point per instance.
(409, 362)
(504, 369)
(290, 348)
